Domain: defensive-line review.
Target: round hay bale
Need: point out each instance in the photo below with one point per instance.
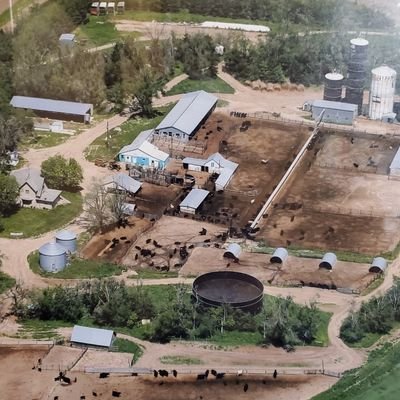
(285, 85)
(254, 85)
(263, 86)
(247, 83)
(277, 87)
(270, 87)
(292, 86)
(300, 88)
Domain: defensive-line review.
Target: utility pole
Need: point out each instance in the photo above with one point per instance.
(11, 16)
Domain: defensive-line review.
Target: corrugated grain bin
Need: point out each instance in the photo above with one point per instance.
(67, 239)
(52, 257)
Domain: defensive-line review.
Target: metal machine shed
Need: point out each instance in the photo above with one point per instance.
(52, 257)
(193, 200)
(67, 239)
(92, 337)
(328, 261)
(188, 114)
(378, 265)
(335, 112)
(55, 109)
(233, 251)
(279, 256)
(122, 182)
(394, 169)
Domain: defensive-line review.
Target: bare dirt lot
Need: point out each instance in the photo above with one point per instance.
(253, 180)
(295, 270)
(165, 240)
(340, 198)
(18, 381)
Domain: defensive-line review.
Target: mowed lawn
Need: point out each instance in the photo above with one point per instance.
(6, 282)
(211, 85)
(378, 379)
(33, 222)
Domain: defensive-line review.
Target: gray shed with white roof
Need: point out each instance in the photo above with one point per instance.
(188, 114)
(334, 112)
(67, 239)
(92, 337)
(54, 109)
(52, 257)
(192, 202)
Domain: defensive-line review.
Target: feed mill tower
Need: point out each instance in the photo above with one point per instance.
(356, 72)
(333, 85)
(381, 95)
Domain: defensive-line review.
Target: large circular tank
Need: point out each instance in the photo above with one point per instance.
(236, 289)
(67, 239)
(381, 96)
(333, 86)
(52, 257)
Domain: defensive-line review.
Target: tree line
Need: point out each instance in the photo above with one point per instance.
(332, 14)
(378, 315)
(110, 303)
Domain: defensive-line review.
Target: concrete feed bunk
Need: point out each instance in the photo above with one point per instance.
(236, 289)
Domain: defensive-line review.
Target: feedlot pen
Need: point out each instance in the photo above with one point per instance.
(340, 197)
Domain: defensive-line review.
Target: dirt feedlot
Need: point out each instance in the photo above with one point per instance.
(340, 198)
(264, 152)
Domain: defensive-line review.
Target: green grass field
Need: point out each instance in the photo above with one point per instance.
(18, 5)
(180, 360)
(378, 379)
(150, 274)
(129, 130)
(126, 346)
(6, 282)
(211, 85)
(33, 222)
(78, 269)
(40, 330)
(98, 31)
(40, 140)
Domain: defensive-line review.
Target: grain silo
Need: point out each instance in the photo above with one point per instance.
(52, 257)
(381, 96)
(333, 86)
(67, 239)
(356, 72)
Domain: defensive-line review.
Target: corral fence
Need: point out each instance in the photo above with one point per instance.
(373, 169)
(175, 147)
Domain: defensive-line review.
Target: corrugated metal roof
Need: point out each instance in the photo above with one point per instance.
(31, 177)
(335, 105)
(234, 249)
(224, 177)
(194, 198)
(281, 253)
(67, 37)
(234, 26)
(52, 249)
(194, 161)
(189, 112)
(395, 164)
(222, 161)
(92, 336)
(58, 106)
(124, 182)
(65, 235)
(153, 151)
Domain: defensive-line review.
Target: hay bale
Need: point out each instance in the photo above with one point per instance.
(277, 87)
(263, 86)
(270, 87)
(254, 85)
(247, 83)
(292, 87)
(285, 85)
(300, 88)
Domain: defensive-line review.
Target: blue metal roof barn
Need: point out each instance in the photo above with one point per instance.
(52, 257)
(67, 239)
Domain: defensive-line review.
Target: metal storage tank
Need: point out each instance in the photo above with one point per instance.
(356, 72)
(328, 261)
(279, 256)
(333, 86)
(52, 257)
(378, 265)
(233, 251)
(381, 96)
(67, 239)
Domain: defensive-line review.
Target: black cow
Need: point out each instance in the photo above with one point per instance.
(104, 375)
(245, 387)
(201, 377)
(115, 393)
(174, 373)
(155, 373)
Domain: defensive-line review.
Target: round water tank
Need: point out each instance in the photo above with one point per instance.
(381, 96)
(333, 87)
(52, 257)
(67, 239)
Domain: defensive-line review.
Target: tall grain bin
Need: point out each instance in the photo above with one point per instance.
(356, 72)
(67, 239)
(381, 96)
(52, 257)
(333, 86)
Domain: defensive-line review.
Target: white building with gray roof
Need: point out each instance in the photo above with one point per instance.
(33, 192)
(123, 183)
(187, 116)
(192, 202)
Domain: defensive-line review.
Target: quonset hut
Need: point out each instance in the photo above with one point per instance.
(378, 265)
(67, 239)
(279, 256)
(52, 257)
(328, 261)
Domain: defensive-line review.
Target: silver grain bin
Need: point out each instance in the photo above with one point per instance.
(67, 239)
(52, 257)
